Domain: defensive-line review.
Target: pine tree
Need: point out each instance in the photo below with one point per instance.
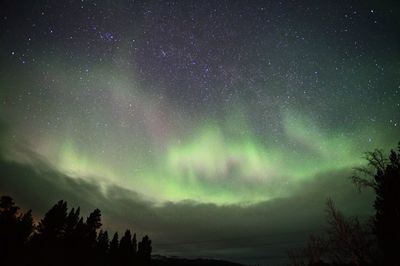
(114, 248)
(134, 244)
(126, 248)
(93, 223)
(8, 207)
(102, 242)
(144, 249)
(52, 226)
(12, 233)
(72, 220)
(25, 226)
(94, 220)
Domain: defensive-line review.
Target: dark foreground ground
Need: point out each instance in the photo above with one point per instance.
(175, 261)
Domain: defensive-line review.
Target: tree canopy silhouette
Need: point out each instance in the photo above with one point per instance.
(348, 242)
(383, 175)
(15, 229)
(64, 238)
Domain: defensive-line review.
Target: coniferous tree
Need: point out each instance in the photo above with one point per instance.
(25, 228)
(63, 237)
(126, 248)
(8, 207)
(78, 234)
(126, 241)
(15, 229)
(52, 226)
(134, 244)
(102, 242)
(144, 250)
(93, 223)
(114, 246)
(8, 220)
(72, 220)
(71, 225)
(94, 220)
(102, 247)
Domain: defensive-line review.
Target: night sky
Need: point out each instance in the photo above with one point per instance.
(206, 124)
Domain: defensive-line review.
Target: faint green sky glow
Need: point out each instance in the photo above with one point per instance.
(213, 167)
(137, 137)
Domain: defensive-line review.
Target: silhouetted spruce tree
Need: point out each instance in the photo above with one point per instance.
(93, 223)
(25, 226)
(126, 248)
(8, 212)
(114, 249)
(134, 244)
(72, 220)
(15, 229)
(52, 227)
(71, 224)
(144, 250)
(101, 249)
(48, 244)
(383, 175)
(8, 207)
(76, 238)
(102, 242)
(8, 222)
(63, 238)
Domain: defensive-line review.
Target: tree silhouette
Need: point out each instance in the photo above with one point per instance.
(63, 238)
(348, 242)
(102, 242)
(72, 224)
(144, 250)
(102, 245)
(7, 207)
(93, 223)
(72, 221)
(15, 229)
(52, 227)
(134, 244)
(126, 248)
(383, 175)
(114, 248)
(25, 226)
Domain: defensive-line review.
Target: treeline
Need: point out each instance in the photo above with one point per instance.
(65, 238)
(351, 242)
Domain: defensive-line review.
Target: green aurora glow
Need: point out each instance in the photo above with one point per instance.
(240, 143)
(217, 168)
(147, 145)
(193, 121)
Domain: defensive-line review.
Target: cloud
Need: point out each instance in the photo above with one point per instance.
(252, 234)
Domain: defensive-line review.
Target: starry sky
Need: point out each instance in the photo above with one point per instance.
(168, 114)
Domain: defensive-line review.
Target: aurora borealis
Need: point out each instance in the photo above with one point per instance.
(197, 106)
